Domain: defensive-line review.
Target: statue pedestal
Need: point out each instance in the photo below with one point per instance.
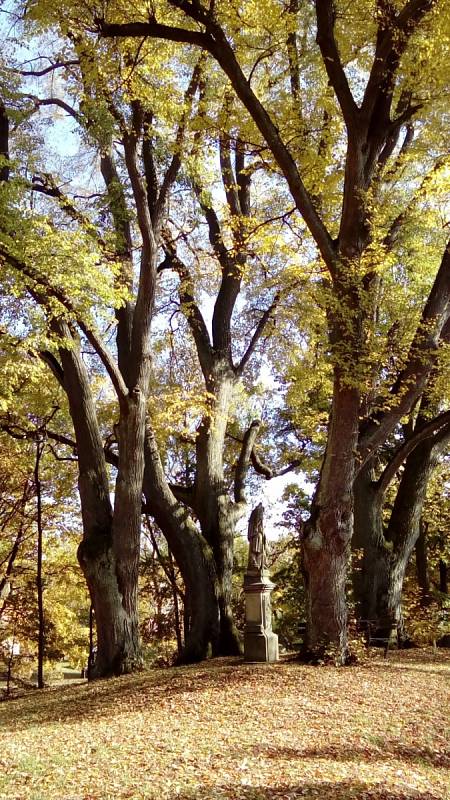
(260, 643)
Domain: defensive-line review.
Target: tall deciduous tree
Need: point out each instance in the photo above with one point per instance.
(378, 93)
(109, 552)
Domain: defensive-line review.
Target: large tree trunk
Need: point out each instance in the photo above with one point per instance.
(326, 544)
(192, 554)
(216, 512)
(387, 552)
(114, 602)
(372, 553)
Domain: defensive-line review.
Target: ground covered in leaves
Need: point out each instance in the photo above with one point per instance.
(224, 729)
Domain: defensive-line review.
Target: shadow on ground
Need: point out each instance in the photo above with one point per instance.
(386, 751)
(86, 700)
(320, 790)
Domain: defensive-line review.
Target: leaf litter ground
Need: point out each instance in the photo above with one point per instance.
(227, 730)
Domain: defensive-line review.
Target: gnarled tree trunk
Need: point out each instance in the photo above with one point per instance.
(114, 601)
(328, 533)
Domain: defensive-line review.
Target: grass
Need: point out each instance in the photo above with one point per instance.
(224, 729)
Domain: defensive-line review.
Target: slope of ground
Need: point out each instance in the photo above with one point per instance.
(224, 729)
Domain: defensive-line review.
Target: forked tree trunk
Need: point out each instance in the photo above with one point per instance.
(387, 551)
(113, 592)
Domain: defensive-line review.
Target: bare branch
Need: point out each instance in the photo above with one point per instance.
(244, 461)
(268, 472)
(259, 330)
(55, 101)
(54, 65)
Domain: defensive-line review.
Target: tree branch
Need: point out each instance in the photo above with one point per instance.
(268, 472)
(244, 461)
(294, 61)
(48, 358)
(396, 226)
(175, 163)
(437, 428)
(4, 143)
(326, 14)
(259, 330)
(189, 306)
(216, 43)
(46, 184)
(37, 73)
(55, 101)
(394, 33)
(422, 356)
(91, 335)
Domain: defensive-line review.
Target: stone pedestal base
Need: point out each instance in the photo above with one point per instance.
(260, 643)
(261, 647)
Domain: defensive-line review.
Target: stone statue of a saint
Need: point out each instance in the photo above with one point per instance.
(257, 540)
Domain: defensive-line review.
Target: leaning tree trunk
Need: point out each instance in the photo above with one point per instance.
(192, 554)
(328, 533)
(404, 529)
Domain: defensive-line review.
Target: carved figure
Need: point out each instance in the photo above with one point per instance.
(257, 540)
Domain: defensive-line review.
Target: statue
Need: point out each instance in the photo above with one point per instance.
(260, 642)
(257, 540)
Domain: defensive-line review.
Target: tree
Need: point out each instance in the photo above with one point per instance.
(109, 552)
(389, 543)
(378, 93)
(361, 100)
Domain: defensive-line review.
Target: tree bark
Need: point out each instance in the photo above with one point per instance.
(118, 648)
(328, 533)
(388, 549)
(191, 552)
(423, 576)
(443, 576)
(215, 510)
(372, 569)
(39, 577)
(404, 528)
